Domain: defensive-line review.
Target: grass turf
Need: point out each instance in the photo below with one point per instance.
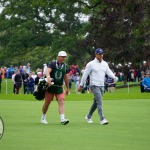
(128, 128)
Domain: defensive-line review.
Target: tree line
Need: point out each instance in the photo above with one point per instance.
(36, 30)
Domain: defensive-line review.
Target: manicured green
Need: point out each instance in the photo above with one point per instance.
(128, 128)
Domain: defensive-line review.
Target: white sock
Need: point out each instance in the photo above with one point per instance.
(44, 116)
(62, 117)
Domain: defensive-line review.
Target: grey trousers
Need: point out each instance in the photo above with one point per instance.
(97, 103)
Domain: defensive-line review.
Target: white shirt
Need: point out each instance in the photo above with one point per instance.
(97, 71)
(34, 76)
(44, 70)
(13, 78)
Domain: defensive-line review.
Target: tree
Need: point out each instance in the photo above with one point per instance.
(120, 27)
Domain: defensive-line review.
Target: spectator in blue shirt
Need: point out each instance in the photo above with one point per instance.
(111, 85)
(146, 82)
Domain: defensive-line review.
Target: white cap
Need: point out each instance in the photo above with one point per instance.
(44, 64)
(144, 62)
(119, 65)
(62, 53)
(39, 72)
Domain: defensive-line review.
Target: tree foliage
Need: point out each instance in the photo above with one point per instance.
(32, 27)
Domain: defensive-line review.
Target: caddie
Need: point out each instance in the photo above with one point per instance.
(56, 70)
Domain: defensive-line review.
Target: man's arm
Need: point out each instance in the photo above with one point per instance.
(87, 71)
(143, 83)
(111, 74)
(48, 70)
(66, 83)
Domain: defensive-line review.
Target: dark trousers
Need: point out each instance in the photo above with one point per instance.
(30, 90)
(18, 86)
(14, 88)
(142, 88)
(24, 88)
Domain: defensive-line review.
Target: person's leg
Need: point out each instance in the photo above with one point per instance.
(27, 90)
(24, 88)
(98, 92)
(17, 88)
(48, 99)
(60, 99)
(32, 89)
(92, 109)
(14, 88)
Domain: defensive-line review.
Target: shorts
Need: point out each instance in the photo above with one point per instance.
(49, 96)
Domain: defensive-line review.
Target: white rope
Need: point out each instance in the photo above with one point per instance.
(6, 87)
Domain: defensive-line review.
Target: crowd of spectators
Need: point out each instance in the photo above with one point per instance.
(22, 76)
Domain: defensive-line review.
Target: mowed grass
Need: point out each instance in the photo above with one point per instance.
(128, 128)
(128, 113)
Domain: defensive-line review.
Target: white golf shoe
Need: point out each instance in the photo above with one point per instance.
(43, 121)
(64, 122)
(104, 122)
(88, 120)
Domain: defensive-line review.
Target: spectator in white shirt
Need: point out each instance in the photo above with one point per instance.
(77, 81)
(13, 81)
(44, 69)
(97, 69)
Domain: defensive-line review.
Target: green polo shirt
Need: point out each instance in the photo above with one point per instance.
(57, 73)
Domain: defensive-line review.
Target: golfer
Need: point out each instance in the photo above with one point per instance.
(97, 69)
(56, 70)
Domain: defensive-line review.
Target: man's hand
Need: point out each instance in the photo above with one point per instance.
(49, 81)
(115, 79)
(79, 88)
(67, 91)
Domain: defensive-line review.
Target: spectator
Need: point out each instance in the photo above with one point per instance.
(10, 72)
(110, 85)
(18, 82)
(144, 66)
(24, 78)
(39, 75)
(3, 71)
(28, 68)
(33, 75)
(146, 82)
(70, 80)
(88, 84)
(14, 84)
(77, 81)
(44, 69)
(140, 80)
(21, 70)
(30, 84)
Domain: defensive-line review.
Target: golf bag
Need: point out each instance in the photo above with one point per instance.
(39, 93)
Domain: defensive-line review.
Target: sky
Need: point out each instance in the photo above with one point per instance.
(1, 8)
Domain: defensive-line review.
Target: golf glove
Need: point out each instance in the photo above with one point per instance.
(115, 79)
